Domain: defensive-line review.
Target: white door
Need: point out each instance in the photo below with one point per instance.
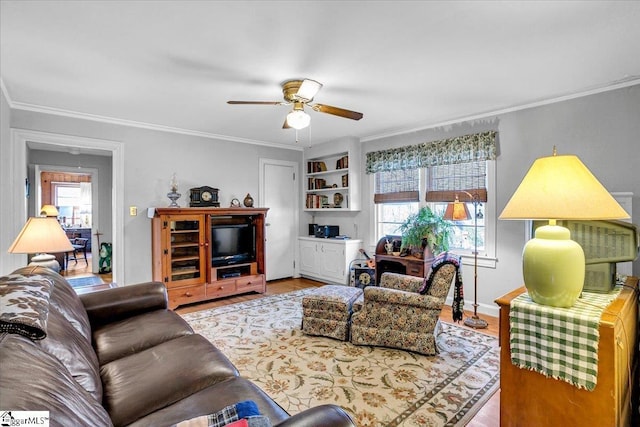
(279, 192)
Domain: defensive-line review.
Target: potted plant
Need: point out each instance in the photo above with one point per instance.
(425, 229)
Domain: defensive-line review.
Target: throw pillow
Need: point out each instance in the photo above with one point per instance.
(25, 305)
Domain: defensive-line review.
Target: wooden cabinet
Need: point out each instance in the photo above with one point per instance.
(182, 254)
(528, 398)
(327, 259)
(332, 179)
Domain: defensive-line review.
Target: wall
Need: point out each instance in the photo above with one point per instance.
(150, 158)
(7, 181)
(603, 130)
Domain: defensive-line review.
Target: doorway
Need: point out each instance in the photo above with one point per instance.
(279, 193)
(23, 140)
(74, 191)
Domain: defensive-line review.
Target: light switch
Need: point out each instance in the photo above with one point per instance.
(133, 210)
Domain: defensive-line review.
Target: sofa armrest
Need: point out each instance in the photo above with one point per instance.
(387, 296)
(115, 304)
(319, 416)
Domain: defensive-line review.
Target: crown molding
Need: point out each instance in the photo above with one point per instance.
(4, 90)
(627, 82)
(141, 125)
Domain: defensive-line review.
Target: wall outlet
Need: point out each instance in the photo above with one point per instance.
(133, 210)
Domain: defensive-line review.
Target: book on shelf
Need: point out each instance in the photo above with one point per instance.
(316, 166)
(316, 201)
(342, 162)
(316, 183)
(345, 180)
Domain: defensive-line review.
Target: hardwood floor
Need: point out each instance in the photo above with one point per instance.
(83, 269)
(489, 415)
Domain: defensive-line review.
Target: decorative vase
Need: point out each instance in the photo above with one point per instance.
(248, 201)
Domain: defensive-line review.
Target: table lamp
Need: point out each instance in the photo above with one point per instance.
(39, 236)
(49, 210)
(458, 211)
(558, 187)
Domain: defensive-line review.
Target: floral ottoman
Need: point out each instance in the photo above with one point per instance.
(327, 312)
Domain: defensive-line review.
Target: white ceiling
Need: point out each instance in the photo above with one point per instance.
(405, 65)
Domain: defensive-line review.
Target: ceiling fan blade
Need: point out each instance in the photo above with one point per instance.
(255, 102)
(285, 125)
(353, 115)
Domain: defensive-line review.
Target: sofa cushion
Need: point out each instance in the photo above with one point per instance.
(33, 380)
(139, 384)
(134, 334)
(25, 305)
(67, 344)
(213, 399)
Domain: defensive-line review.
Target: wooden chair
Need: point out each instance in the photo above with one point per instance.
(79, 245)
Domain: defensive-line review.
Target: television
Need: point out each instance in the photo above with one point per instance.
(605, 243)
(233, 241)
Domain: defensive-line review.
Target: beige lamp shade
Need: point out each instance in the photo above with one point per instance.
(49, 210)
(41, 235)
(561, 187)
(456, 211)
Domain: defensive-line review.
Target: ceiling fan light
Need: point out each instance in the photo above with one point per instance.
(298, 119)
(308, 89)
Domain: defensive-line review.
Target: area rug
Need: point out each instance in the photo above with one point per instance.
(377, 386)
(78, 282)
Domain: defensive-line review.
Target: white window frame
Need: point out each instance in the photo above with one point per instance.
(486, 257)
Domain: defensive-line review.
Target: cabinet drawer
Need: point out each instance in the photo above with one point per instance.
(415, 270)
(186, 295)
(250, 283)
(221, 288)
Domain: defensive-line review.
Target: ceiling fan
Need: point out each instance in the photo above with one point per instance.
(301, 93)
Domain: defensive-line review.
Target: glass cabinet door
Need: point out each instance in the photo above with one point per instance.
(186, 250)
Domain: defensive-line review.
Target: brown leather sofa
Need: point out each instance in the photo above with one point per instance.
(121, 357)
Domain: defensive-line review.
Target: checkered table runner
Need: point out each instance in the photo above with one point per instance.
(561, 343)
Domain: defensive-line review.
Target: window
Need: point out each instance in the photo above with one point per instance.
(73, 200)
(461, 166)
(389, 213)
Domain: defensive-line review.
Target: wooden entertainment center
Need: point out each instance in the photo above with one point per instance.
(182, 253)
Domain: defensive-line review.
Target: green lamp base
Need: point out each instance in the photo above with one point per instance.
(553, 267)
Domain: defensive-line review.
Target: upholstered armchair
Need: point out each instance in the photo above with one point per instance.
(395, 313)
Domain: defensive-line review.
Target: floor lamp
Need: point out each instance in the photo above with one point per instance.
(458, 211)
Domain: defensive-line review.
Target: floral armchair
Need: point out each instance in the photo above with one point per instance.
(395, 313)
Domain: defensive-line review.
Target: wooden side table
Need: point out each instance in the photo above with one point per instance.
(528, 398)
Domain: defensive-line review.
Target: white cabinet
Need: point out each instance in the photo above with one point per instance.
(327, 260)
(332, 176)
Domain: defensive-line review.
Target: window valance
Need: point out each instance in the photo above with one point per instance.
(460, 149)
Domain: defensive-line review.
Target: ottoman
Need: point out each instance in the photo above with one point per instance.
(327, 312)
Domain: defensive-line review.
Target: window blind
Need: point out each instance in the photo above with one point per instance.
(447, 181)
(397, 186)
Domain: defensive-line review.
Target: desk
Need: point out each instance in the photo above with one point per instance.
(409, 265)
(405, 265)
(530, 399)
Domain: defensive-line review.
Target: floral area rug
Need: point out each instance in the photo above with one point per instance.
(377, 386)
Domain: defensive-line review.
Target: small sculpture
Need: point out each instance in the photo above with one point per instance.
(174, 195)
(248, 201)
